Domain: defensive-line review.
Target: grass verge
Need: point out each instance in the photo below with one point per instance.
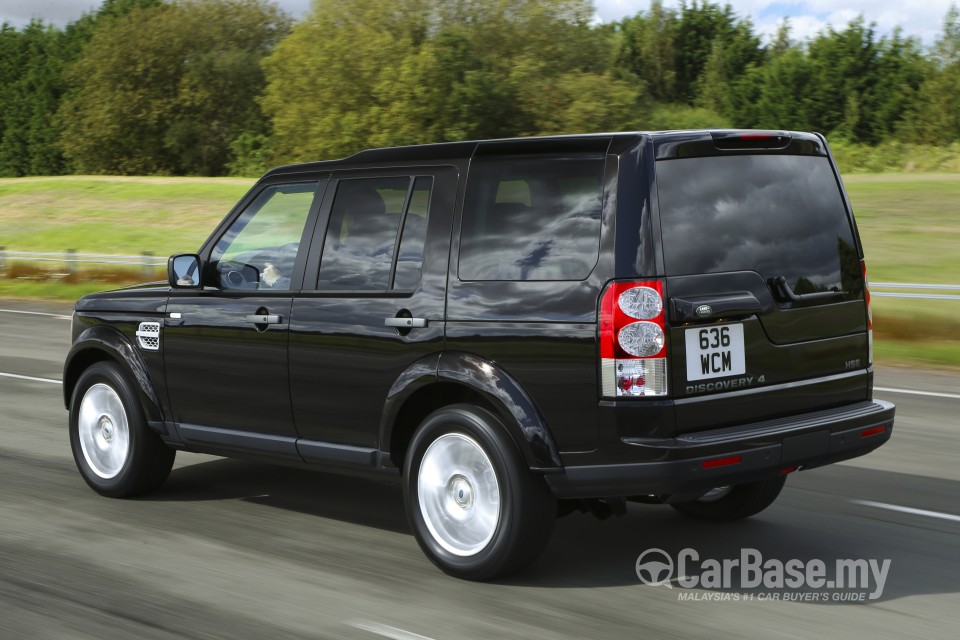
(909, 225)
(923, 354)
(114, 215)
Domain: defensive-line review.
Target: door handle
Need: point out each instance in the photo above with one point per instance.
(405, 323)
(780, 285)
(727, 306)
(264, 319)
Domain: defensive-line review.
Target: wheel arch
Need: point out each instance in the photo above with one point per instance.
(442, 379)
(102, 343)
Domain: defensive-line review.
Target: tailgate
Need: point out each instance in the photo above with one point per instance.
(764, 287)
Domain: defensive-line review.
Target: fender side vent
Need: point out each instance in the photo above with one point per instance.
(148, 335)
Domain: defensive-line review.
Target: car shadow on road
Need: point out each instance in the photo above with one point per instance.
(812, 520)
(356, 500)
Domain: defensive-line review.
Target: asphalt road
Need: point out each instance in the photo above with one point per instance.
(234, 549)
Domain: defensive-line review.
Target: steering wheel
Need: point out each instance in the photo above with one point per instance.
(238, 275)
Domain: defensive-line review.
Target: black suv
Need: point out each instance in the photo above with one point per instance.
(512, 329)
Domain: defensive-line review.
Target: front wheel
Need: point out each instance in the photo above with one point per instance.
(116, 452)
(726, 504)
(476, 509)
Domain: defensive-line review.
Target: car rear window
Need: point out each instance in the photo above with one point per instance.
(778, 215)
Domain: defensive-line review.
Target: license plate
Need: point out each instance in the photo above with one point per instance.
(715, 352)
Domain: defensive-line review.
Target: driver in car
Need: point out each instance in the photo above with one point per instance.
(271, 278)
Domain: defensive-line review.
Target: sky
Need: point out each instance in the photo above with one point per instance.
(807, 17)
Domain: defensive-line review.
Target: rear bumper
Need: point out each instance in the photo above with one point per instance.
(686, 464)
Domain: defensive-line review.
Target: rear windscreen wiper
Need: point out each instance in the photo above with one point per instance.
(780, 286)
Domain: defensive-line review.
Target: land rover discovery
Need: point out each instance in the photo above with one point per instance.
(511, 329)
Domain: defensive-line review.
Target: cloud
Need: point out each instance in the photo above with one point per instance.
(59, 12)
(807, 17)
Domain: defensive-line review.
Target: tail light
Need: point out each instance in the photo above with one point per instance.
(633, 340)
(750, 140)
(866, 295)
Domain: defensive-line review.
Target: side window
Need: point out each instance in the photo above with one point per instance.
(360, 248)
(259, 249)
(413, 237)
(533, 218)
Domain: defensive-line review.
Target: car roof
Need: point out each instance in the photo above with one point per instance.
(450, 151)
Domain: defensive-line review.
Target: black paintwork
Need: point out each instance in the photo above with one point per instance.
(330, 385)
(223, 371)
(673, 469)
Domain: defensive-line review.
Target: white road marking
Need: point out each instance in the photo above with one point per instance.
(386, 630)
(935, 394)
(19, 377)
(910, 510)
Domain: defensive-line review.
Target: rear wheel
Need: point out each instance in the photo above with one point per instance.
(725, 504)
(475, 508)
(116, 452)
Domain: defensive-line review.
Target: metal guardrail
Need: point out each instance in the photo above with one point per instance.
(145, 259)
(69, 260)
(901, 285)
(874, 286)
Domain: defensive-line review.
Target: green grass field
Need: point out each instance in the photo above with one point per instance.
(909, 223)
(114, 215)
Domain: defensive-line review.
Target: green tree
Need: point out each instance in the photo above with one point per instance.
(32, 87)
(167, 88)
(79, 32)
(365, 73)
(947, 49)
(863, 88)
(731, 56)
(11, 64)
(844, 83)
(782, 42)
(755, 97)
(901, 69)
(647, 50)
(935, 114)
(844, 64)
(692, 57)
(30, 90)
(777, 95)
(700, 24)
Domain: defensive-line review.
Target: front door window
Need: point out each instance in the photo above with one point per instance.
(260, 248)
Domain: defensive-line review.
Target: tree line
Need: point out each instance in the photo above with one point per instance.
(214, 87)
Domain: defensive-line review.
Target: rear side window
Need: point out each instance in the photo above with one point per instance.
(532, 218)
(369, 215)
(776, 215)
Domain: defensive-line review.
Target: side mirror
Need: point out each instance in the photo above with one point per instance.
(183, 271)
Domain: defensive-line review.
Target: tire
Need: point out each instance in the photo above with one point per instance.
(485, 514)
(737, 502)
(116, 452)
